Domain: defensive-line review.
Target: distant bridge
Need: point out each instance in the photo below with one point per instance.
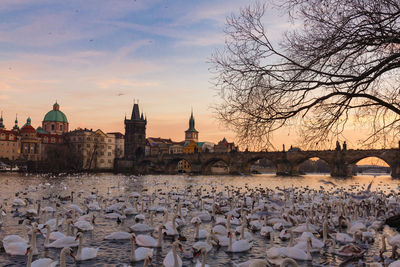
(341, 162)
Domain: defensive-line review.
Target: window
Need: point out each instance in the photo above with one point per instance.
(109, 161)
(61, 127)
(88, 145)
(109, 147)
(53, 127)
(109, 153)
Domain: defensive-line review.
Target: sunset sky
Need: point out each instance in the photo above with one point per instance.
(96, 56)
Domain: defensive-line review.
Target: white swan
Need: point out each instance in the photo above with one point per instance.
(149, 241)
(63, 253)
(43, 262)
(84, 225)
(254, 263)
(199, 245)
(200, 234)
(170, 227)
(299, 254)
(20, 248)
(16, 238)
(239, 245)
(118, 236)
(203, 260)
(172, 259)
(140, 227)
(140, 253)
(86, 253)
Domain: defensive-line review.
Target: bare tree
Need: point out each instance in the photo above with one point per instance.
(339, 65)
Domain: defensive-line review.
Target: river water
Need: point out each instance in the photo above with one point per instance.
(112, 186)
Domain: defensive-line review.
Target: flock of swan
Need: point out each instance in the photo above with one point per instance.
(286, 226)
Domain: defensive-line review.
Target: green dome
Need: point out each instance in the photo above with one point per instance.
(55, 115)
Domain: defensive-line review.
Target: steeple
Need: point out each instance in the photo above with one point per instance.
(191, 134)
(16, 128)
(191, 123)
(1, 121)
(135, 111)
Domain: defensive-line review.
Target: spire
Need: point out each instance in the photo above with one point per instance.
(135, 111)
(56, 106)
(141, 116)
(16, 128)
(1, 121)
(191, 123)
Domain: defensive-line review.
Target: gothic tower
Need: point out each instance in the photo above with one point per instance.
(135, 134)
(191, 134)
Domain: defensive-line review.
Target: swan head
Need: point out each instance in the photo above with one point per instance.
(179, 245)
(68, 250)
(133, 237)
(78, 236)
(28, 250)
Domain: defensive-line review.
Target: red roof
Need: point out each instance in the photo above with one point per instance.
(28, 129)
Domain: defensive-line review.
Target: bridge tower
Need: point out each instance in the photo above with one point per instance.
(135, 134)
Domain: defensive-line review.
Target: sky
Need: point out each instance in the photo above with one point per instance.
(95, 57)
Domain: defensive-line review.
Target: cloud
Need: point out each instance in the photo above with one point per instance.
(118, 83)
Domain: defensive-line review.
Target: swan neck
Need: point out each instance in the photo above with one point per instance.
(291, 239)
(324, 232)
(308, 249)
(159, 237)
(47, 241)
(30, 256)
(173, 223)
(132, 250)
(68, 228)
(175, 256)
(79, 252)
(203, 260)
(230, 243)
(62, 259)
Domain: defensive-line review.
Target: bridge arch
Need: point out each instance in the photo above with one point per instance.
(313, 164)
(172, 165)
(381, 160)
(206, 167)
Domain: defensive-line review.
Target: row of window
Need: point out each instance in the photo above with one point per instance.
(90, 139)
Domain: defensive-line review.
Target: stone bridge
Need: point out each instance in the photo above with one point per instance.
(341, 162)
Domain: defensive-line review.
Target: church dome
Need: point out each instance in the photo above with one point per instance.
(55, 115)
(27, 128)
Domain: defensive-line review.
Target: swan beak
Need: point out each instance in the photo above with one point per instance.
(72, 255)
(180, 247)
(27, 251)
(150, 261)
(198, 254)
(229, 234)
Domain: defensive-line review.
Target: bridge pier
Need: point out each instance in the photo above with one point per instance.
(286, 168)
(395, 169)
(341, 169)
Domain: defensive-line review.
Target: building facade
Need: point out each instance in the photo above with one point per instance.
(135, 134)
(30, 143)
(10, 144)
(96, 148)
(119, 144)
(224, 146)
